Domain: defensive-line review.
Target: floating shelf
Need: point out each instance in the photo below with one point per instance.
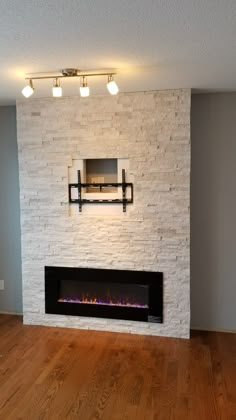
(80, 185)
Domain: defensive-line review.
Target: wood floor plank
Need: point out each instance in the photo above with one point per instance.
(57, 374)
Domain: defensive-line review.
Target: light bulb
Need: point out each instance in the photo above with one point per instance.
(84, 89)
(28, 90)
(56, 90)
(112, 86)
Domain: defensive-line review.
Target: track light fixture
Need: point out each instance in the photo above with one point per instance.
(68, 73)
(28, 89)
(84, 89)
(56, 90)
(112, 86)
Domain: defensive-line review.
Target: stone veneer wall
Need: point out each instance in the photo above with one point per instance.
(152, 130)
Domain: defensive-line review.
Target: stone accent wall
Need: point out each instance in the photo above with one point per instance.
(152, 130)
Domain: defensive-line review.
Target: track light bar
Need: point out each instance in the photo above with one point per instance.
(68, 73)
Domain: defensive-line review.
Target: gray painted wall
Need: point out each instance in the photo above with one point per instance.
(213, 211)
(10, 252)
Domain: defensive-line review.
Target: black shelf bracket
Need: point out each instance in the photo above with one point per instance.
(80, 185)
(123, 191)
(79, 191)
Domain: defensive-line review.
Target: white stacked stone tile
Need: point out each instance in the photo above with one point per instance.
(152, 130)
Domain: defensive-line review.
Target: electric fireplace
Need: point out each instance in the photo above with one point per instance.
(101, 293)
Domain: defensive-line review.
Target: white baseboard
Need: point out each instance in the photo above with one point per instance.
(221, 330)
(10, 313)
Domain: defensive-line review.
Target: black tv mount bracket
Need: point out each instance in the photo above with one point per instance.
(80, 185)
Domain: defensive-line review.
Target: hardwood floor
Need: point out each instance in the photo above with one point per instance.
(52, 373)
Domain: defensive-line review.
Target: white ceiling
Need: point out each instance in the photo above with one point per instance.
(153, 44)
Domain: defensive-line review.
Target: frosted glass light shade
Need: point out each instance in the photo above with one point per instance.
(84, 91)
(27, 91)
(112, 87)
(56, 91)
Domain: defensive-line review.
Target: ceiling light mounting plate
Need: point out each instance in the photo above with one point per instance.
(70, 72)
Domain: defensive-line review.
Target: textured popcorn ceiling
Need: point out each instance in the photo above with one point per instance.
(154, 44)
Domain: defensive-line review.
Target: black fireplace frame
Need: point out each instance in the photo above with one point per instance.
(53, 276)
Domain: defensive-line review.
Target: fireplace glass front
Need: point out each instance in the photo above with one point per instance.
(115, 294)
(108, 294)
